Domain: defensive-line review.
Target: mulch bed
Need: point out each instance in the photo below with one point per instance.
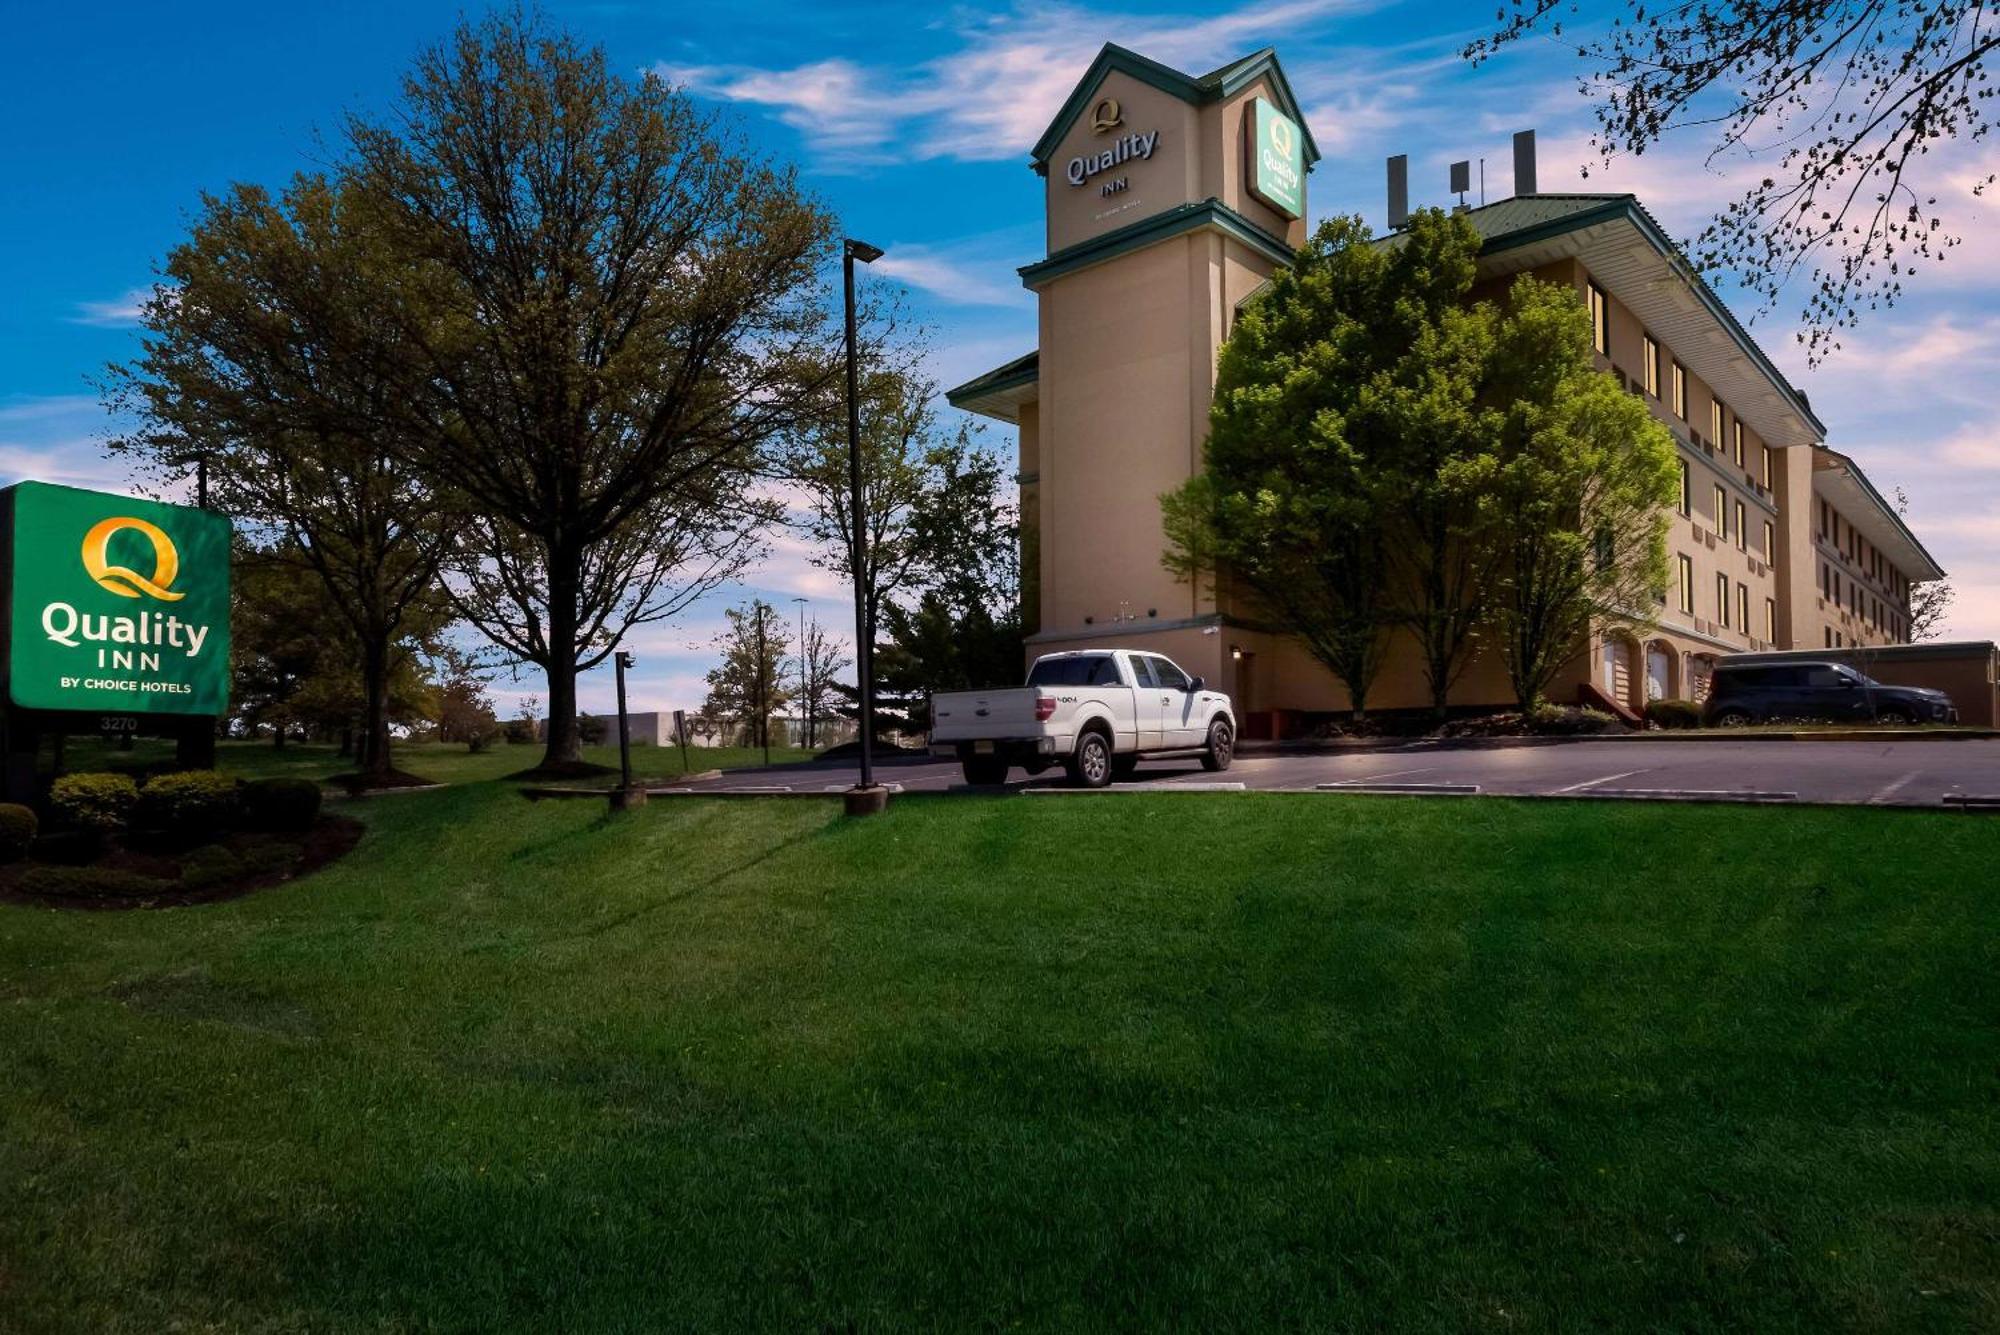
(145, 875)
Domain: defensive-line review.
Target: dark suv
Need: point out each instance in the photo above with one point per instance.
(1770, 692)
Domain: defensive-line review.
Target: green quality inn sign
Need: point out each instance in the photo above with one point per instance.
(115, 605)
(1277, 158)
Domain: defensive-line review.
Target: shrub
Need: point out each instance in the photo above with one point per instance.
(520, 731)
(485, 739)
(92, 883)
(590, 729)
(1567, 720)
(96, 803)
(194, 804)
(1673, 714)
(280, 805)
(18, 828)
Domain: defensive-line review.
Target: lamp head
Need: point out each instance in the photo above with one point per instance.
(861, 250)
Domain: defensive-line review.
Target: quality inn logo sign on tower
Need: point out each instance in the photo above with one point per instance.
(117, 605)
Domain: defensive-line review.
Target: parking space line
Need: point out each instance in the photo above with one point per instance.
(1377, 778)
(1592, 783)
(1889, 790)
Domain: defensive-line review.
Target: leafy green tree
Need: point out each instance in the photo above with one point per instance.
(1387, 454)
(941, 645)
(633, 309)
(270, 361)
(1292, 503)
(748, 686)
(1581, 503)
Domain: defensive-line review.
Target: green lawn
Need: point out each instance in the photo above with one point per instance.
(444, 763)
(1190, 1062)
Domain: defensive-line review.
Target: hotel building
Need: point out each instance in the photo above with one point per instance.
(1171, 198)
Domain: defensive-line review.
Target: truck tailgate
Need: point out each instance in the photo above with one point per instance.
(968, 715)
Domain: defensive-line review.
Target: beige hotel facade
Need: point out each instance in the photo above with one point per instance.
(1171, 198)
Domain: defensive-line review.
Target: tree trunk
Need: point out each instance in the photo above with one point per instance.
(565, 746)
(375, 706)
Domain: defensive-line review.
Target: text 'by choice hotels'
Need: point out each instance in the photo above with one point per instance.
(1127, 147)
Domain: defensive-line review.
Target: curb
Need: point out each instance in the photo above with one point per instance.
(1334, 747)
(342, 795)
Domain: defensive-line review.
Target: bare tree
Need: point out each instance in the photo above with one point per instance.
(1847, 98)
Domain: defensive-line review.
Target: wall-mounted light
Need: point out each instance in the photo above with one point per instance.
(1236, 653)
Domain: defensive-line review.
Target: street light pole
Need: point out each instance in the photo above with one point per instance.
(626, 795)
(864, 646)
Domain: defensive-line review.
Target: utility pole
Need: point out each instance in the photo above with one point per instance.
(805, 686)
(865, 797)
(763, 691)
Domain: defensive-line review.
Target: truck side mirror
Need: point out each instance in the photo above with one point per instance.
(1196, 684)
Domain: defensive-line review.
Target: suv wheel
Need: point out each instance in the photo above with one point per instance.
(985, 771)
(1221, 746)
(1895, 716)
(1090, 764)
(1733, 718)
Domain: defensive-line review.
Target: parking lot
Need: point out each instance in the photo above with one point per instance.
(1888, 772)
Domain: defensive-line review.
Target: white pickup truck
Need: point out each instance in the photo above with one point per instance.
(1096, 712)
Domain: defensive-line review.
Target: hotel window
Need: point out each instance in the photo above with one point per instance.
(1722, 601)
(1721, 511)
(1741, 538)
(1743, 609)
(1687, 493)
(1829, 637)
(1770, 621)
(1680, 392)
(1823, 512)
(1736, 430)
(1687, 584)
(1649, 364)
(1770, 543)
(1715, 423)
(1767, 468)
(1600, 318)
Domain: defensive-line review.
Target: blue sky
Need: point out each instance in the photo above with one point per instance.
(120, 115)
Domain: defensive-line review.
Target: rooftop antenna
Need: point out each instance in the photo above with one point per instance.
(1399, 191)
(1524, 162)
(1482, 183)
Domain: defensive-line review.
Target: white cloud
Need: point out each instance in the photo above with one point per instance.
(990, 99)
(120, 312)
(959, 279)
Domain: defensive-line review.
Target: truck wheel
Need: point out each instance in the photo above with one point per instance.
(1090, 764)
(1221, 746)
(985, 771)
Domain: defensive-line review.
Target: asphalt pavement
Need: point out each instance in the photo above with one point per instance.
(1886, 772)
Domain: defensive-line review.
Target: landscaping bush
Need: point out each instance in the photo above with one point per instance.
(1673, 714)
(280, 805)
(520, 731)
(485, 739)
(590, 729)
(18, 828)
(1568, 720)
(99, 804)
(194, 804)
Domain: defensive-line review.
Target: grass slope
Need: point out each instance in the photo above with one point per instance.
(439, 762)
(1148, 1062)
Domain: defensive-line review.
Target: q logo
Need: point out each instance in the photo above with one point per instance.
(122, 580)
(1107, 115)
(1281, 137)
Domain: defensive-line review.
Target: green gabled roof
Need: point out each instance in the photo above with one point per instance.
(1022, 370)
(1188, 217)
(1194, 90)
